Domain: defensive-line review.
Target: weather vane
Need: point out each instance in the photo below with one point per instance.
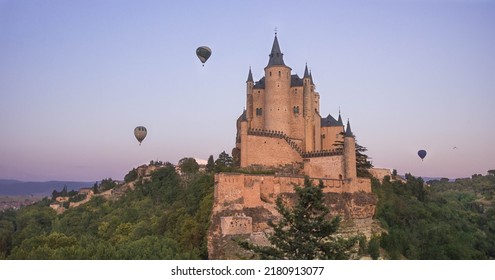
(275, 31)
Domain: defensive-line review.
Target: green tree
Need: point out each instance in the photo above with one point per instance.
(363, 163)
(224, 162)
(131, 176)
(106, 184)
(188, 165)
(305, 231)
(210, 166)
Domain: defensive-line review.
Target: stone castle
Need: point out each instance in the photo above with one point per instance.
(282, 130)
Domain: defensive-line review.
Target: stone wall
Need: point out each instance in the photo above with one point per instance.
(324, 167)
(244, 203)
(269, 151)
(380, 173)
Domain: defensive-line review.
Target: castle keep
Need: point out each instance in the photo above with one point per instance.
(282, 125)
(282, 130)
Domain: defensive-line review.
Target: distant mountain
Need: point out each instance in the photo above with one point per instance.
(15, 187)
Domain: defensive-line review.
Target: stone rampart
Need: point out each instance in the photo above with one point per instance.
(244, 203)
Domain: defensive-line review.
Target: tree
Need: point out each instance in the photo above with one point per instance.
(210, 166)
(363, 164)
(224, 162)
(304, 232)
(131, 176)
(95, 188)
(188, 165)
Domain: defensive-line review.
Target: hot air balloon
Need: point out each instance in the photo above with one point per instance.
(140, 133)
(203, 54)
(422, 154)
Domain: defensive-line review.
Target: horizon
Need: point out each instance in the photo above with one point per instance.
(76, 78)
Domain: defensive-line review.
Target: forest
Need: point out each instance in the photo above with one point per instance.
(167, 217)
(439, 220)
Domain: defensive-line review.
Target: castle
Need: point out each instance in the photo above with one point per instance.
(282, 125)
(281, 129)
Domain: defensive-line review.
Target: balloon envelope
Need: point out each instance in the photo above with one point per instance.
(140, 133)
(422, 154)
(203, 53)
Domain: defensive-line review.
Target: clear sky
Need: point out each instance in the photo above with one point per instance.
(77, 76)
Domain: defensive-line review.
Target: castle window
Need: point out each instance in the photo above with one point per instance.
(279, 74)
(270, 73)
(295, 109)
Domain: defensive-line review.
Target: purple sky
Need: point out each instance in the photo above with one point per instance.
(77, 76)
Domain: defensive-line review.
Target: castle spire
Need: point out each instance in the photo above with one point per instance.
(276, 56)
(339, 121)
(348, 132)
(250, 76)
(306, 72)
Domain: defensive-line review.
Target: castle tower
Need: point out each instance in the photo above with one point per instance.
(349, 153)
(308, 113)
(244, 142)
(277, 91)
(249, 97)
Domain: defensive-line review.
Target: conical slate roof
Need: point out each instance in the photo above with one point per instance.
(276, 56)
(340, 120)
(250, 76)
(306, 72)
(242, 117)
(348, 131)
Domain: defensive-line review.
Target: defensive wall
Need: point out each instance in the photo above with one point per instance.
(254, 190)
(244, 203)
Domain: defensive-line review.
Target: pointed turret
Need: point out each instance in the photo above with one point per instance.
(311, 77)
(249, 99)
(348, 131)
(339, 121)
(250, 76)
(349, 153)
(276, 56)
(306, 72)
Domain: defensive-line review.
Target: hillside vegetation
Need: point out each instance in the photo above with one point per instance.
(166, 217)
(438, 220)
